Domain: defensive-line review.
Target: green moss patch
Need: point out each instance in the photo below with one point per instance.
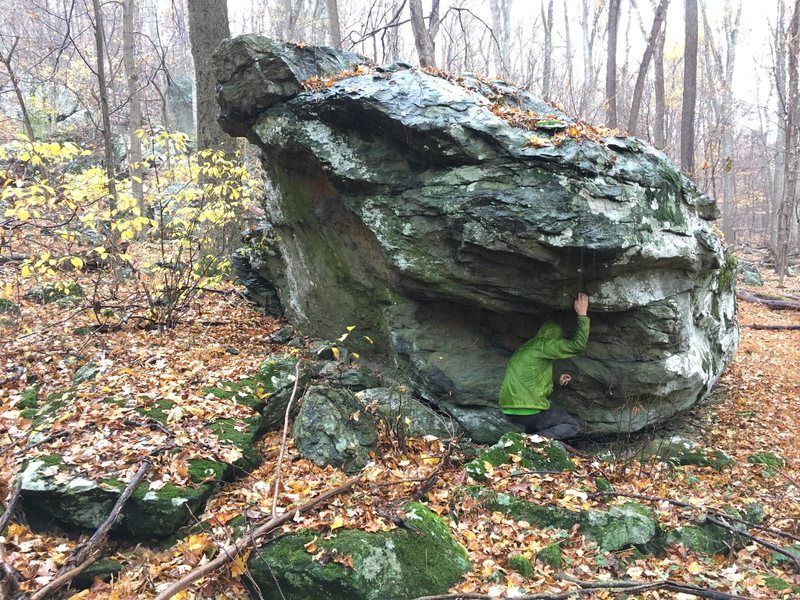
(7, 307)
(526, 455)
(772, 462)
(551, 556)
(629, 524)
(520, 564)
(543, 517)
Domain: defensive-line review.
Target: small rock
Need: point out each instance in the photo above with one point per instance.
(283, 335)
(528, 453)
(333, 428)
(86, 373)
(522, 565)
(550, 555)
(750, 273)
(625, 525)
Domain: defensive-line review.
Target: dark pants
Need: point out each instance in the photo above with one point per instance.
(553, 423)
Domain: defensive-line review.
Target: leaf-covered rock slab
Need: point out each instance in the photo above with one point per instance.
(353, 564)
(333, 428)
(402, 412)
(527, 453)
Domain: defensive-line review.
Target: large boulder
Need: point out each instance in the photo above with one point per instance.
(449, 217)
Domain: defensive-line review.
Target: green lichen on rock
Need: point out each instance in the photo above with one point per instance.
(204, 470)
(728, 272)
(151, 513)
(248, 391)
(705, 539)
(243, 436)
(518, 448)
(538, 515)
(628, 524)
(777, 558)
(29, 405)
(550, 555)
(521, 564)
(394, 565)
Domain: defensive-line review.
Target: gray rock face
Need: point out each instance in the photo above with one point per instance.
(405, 204)
(332, 428)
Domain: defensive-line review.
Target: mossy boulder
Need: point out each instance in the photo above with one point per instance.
(521, 564)
(537, 515)
(333, 428)
(750, 274)
(622, 526)
(551, 556)
(7, 307)
(527, 453)
(402, 412)
(353, 564)
(50, 292)
(56, 493)
(277, 374)
(704, 539)
(778, 559)
(682, 452)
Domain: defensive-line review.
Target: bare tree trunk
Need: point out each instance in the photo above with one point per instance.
(422, 38)
(652, 42)
(501, 24)
(23, 107)
(611, 64)
(789, 200)
(547, 20)
(779, 69)
(689, 88)
(568, 50)
(108, 141)
(134, 100)
(659, 120)
(208, 26)
(334, 29)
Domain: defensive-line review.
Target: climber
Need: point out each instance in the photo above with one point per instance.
(528, 381)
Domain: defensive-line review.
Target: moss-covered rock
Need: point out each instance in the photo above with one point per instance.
(778, 559)
(402, 412)
(524, 452)
(47, 293)
(277, 374)
(103, 570)
(771, 461)
(538, 515)
(682, 452)
(521, 564)
(705, 539)
(7, 307)
(29, 405)
(394, 565)
(628, 524)
(550, 555)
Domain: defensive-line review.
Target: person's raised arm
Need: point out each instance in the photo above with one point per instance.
(568, 348)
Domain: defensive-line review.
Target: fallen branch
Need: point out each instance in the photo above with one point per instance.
(768, 302)
(10, 576)
(230, 552)
(85, 555)
(775, 548)
(593, 587)
(277, 478)
(773, 327)
(11, 505)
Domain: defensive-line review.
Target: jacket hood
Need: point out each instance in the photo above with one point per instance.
(550, 330)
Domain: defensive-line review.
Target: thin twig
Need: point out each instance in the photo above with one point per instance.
(277, 482)
(775, 548)
(232, 551)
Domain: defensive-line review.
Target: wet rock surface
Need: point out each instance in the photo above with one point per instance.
(404, 203)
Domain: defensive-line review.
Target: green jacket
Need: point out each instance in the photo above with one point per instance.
(528, 381)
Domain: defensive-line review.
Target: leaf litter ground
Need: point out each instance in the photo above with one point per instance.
(755, 409)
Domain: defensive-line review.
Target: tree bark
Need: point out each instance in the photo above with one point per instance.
(660, 117)
(422, 38)
(611, 64)
(334, 30)
(501, 24)
(547, 20)
(779, 69)
(208, 26)
(108, 141)
(7, 60)
(652, 42)
(789, 200)
(689, 88)
(134, 101)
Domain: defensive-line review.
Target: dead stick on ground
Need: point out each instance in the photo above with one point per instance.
(775, 548)
(773, 327)
(230, 552)
(63, 579)
(628, 587)
(277, 482)
(83, 556)
(12, 504)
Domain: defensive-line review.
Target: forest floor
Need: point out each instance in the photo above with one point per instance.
(754, 409)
